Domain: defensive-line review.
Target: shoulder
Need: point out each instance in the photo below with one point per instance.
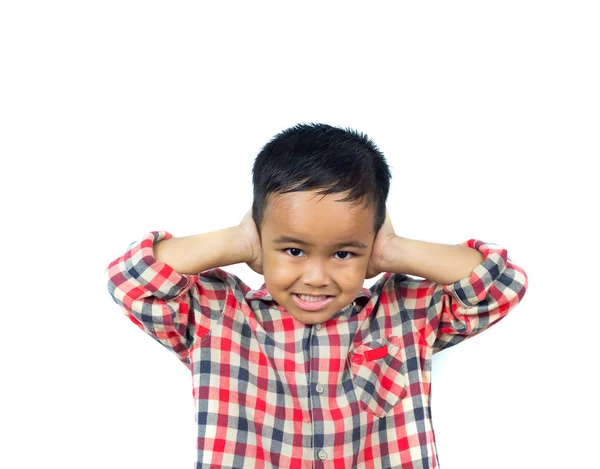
(217, 278)
(401, 286)
(406, 297)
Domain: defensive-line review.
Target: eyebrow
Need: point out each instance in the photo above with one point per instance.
(290, 239)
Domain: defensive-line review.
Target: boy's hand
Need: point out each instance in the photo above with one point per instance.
(381, 246)
(251, 240)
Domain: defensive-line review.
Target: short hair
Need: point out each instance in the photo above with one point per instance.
(310, 156)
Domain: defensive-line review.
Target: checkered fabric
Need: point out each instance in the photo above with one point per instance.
(272, 392)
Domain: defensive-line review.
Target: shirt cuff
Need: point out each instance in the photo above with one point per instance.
(154, 276)
(471, 290)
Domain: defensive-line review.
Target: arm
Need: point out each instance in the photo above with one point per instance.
(439, 263)
(167, 296)
(197, 253)
(448, 313)
(467, 288)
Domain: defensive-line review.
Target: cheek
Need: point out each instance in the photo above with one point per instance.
(278, 271)
(277, 263)
(355, 273)
(354, 279)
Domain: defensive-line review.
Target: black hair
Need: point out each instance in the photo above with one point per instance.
(313, 156)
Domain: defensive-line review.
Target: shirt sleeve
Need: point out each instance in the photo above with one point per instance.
(469, 306)
(174, 309)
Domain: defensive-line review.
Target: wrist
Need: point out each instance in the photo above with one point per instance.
(395, 257)
(240, 250)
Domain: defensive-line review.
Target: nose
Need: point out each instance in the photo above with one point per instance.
(315, 273)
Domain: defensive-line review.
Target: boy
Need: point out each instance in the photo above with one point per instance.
(312, 370)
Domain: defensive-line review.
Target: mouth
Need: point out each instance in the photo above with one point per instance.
(310, 302)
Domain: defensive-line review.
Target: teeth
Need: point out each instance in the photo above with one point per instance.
(312, 298)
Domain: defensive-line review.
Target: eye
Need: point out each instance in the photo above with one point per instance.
(347, 254)
(293, 251)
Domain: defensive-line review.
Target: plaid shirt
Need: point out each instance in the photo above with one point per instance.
(272, 392)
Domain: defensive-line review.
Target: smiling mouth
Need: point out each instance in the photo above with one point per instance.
(311, 303)
(314, 298)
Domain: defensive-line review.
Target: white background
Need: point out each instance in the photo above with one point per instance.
(122, 117)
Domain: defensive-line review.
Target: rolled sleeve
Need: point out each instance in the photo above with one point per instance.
(155, 297)
(146, 275)
(468, 306)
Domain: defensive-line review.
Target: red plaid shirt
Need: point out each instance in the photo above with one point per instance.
(272, 392)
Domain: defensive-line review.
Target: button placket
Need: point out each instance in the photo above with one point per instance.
(317, 400)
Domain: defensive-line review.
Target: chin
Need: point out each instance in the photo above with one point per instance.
(311, 317)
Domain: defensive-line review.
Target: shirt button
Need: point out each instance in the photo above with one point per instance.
(319, 388)
(318, 327)
(322, 454)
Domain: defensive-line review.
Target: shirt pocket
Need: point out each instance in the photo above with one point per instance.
(379, 375)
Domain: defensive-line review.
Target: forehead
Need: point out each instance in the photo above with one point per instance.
(318, 219)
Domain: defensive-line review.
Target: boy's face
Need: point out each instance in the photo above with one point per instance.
(319, 262)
